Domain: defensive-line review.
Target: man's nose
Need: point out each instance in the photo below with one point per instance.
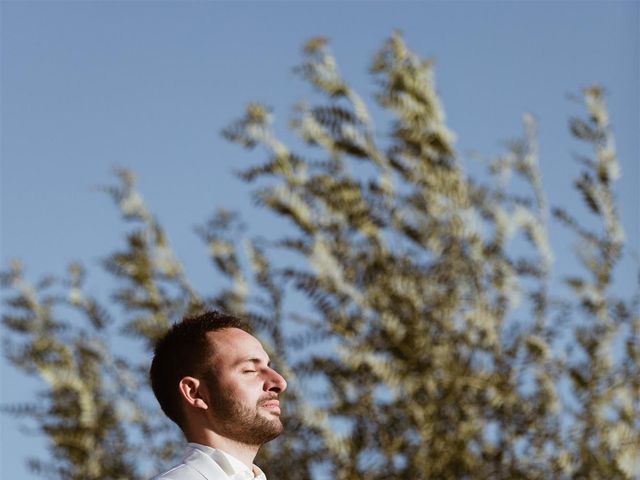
(275, 382)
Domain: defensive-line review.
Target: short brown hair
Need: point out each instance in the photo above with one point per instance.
(184, 351)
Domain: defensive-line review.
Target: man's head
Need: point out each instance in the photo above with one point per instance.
(209, 374)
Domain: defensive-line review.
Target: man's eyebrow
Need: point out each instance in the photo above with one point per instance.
(253, 360)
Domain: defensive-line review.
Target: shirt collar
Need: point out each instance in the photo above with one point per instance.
(230, 464)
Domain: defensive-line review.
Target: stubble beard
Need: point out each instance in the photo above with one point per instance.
(242, 423)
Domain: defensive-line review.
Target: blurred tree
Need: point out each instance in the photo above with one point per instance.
(422, 340)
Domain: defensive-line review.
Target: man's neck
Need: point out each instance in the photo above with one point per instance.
(243, 452)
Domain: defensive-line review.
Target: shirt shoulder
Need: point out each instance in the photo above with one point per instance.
(180, 472)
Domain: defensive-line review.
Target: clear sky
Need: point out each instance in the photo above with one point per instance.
(148, 85)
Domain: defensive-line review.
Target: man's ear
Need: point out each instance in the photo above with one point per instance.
(193, 392)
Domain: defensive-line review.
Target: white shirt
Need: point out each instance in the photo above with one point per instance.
(201, 462)
(235, 468)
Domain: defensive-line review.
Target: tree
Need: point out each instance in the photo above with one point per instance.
(429, 343)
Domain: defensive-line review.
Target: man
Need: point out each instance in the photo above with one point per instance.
(215, 381)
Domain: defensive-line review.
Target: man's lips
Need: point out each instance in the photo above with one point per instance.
(271, 405)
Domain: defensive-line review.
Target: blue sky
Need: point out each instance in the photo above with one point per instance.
(148, 85)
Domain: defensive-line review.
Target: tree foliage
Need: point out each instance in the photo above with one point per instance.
(420, 328)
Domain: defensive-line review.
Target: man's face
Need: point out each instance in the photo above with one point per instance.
(243, 388)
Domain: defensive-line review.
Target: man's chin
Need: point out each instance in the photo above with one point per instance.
(273, 418)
